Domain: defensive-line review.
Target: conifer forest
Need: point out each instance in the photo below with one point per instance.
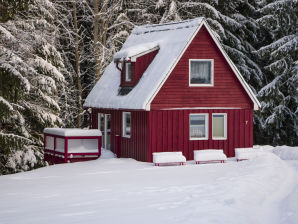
(52, 52)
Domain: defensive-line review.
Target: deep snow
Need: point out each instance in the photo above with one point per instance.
(109, 190)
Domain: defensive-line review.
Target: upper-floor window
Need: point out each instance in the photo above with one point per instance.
(201, 72)
(128, 72)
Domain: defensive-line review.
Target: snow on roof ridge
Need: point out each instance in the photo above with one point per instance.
(139, 30)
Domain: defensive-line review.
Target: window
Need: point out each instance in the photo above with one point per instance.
(219, 126)
(126, 124)
(100, 121)
(128, 72)
(201, 72)
(198, 126)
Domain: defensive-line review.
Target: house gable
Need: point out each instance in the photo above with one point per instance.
(227, 92)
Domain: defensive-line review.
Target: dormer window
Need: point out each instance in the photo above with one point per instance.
(128, 72)
(201, 72)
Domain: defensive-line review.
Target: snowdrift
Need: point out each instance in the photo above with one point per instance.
(115, 190)
(286, 152)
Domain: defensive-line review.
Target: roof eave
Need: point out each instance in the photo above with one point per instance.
(133, 58)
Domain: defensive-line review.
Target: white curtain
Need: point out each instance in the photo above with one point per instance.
(200, 72)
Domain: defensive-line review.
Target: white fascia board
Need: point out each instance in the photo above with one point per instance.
(252, 96)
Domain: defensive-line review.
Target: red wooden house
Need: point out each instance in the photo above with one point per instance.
(172, 87)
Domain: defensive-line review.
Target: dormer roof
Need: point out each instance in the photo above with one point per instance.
(133, 52)
(172, 39)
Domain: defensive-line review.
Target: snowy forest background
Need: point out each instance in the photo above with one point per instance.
(52, 52)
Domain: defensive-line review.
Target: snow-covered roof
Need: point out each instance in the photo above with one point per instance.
(136, 50)
(72, 132)
(172, 39)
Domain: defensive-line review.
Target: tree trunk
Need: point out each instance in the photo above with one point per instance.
(96, 39)
(78, 64)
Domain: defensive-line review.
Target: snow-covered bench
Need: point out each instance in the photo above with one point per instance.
(168, 158)
(62, 145)
(209, 156)
(247, 153)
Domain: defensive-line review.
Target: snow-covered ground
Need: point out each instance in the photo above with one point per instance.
(109, 190)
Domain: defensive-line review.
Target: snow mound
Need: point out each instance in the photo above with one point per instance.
(168, 157)
(94, 191)
(249, 153)
(107, 154)
(286, 152)
(209, 154)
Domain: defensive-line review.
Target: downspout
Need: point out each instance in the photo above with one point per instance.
(117, 66)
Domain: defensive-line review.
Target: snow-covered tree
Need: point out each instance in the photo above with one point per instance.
(278, 120)
(10, 8)
(33, 85)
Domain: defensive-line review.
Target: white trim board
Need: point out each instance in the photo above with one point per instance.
(246, 87)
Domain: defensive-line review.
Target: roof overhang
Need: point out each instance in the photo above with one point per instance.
(135, 53)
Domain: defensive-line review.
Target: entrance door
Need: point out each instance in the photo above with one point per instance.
(104, 125)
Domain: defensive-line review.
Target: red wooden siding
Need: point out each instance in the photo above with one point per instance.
(142, 64)
(169, 131)
(137, 69)
(136, 146)
(227, 90)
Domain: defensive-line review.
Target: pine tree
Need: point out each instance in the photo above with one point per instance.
(32, 86)
(8, 9)
(277, 122)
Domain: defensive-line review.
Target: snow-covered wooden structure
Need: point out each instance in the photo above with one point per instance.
(172, 87)
(209, 156)
(62, 145)
(168, 158)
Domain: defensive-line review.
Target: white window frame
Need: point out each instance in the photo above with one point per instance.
(124, 124)
(206, 127)
(127, 79)
(225, 127)
(212, 73)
